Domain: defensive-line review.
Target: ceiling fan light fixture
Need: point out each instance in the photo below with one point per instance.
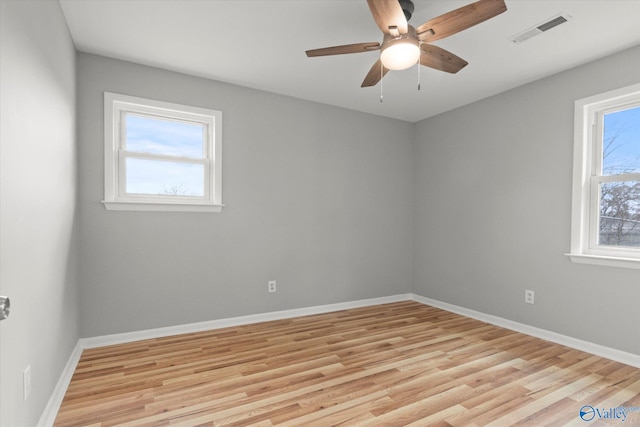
(403, 45)
(400, 53)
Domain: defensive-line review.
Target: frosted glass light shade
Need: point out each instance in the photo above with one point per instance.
(400, 54)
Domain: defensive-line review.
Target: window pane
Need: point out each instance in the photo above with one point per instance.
(164, 137)
(156, 177)
(620, 214)
(621, 142)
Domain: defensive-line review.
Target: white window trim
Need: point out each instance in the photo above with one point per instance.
(584, 207)
(114, 198)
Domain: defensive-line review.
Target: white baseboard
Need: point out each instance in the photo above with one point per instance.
(50, 412)
(53, 406)
(586, 346)
(105, 340)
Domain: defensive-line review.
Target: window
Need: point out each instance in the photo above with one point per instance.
(606, 179)
(161, 156)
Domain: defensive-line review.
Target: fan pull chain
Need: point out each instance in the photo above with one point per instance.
(419, 67)
(381, 81)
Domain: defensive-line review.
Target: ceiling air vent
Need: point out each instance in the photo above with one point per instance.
(540, 28)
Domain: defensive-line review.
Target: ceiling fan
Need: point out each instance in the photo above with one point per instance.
(403, 45)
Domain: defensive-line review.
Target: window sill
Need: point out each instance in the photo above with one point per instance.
(161, 207)
(608, 261)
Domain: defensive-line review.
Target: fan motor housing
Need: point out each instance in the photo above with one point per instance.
(407, 7)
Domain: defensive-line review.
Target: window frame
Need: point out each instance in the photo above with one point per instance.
(115, 155)
(587, 177)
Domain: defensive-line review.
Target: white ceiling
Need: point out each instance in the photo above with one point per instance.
(261, 44)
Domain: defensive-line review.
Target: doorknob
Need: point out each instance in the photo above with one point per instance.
(5, 305)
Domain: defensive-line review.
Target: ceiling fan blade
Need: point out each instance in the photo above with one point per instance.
(460, 19)
(374, 75)
(441, 59)
(388, 15)
(347, 48)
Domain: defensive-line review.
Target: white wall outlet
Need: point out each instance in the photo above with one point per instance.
(26, 382)
(529, 296)
(271, 286)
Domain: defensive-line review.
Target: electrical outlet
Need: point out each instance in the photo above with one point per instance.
(271, 286)
(26, 382)
(529, 296)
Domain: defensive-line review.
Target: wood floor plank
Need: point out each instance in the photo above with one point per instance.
(394, 364)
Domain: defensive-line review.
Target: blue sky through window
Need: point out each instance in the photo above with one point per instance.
(620, 200)
(622, 142)
(166, 138)
(164, 178)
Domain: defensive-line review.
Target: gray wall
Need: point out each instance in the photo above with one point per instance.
(493, 208)
(318, 198)
(38, 251)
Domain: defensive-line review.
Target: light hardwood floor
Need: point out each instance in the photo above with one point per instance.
(395, 364)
